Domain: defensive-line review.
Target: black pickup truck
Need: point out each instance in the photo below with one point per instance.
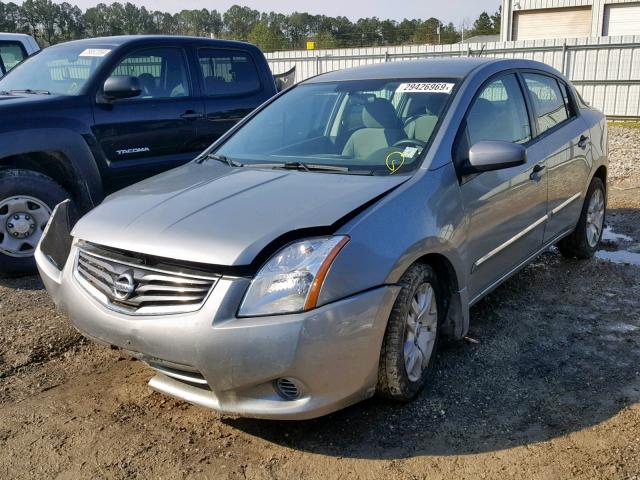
(82, 119)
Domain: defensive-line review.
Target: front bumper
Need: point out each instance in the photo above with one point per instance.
(213, 359)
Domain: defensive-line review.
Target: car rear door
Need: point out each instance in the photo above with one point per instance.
(231, 87)
(565, 136)
(157, 130)
(506, 209)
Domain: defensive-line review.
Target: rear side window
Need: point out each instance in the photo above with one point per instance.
(228, 72)
(161, 71)
(11, 54)
(549, 103)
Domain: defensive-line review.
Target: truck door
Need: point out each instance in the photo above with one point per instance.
(231, 88)
(156, 130)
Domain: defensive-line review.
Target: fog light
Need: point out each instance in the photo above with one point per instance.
(287, 388)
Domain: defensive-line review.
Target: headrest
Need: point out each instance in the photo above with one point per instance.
(379, 114)
(427, 103)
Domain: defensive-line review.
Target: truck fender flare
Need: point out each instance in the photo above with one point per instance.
(86, 181)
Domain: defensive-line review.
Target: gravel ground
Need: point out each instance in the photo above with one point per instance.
(624, 153)
(551, 390)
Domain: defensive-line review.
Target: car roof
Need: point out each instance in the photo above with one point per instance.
(120, 40)
(410, 69)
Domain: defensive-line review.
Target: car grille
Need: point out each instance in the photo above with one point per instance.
(121, 283)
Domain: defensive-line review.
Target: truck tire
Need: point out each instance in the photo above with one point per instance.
(583, 242)
(26, 201)
(411, 339)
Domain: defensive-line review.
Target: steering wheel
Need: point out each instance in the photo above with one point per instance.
(410, 142)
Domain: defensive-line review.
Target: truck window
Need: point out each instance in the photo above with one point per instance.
(11, 54)
(161, 71)
(228, 72)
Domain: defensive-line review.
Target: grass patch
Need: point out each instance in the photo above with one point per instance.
(625, 123)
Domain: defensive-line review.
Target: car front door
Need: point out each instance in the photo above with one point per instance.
(232, 89)
(506, 209)
(566, 139)
(156, 130)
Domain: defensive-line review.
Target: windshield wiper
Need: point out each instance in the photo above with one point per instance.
(223, 159)
(309, 167)
(31, 92)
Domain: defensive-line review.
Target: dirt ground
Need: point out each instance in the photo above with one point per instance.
(552, 390)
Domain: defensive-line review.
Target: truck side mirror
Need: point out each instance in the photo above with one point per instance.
(119, 88)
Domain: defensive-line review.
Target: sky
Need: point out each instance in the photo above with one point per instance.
(446, 10)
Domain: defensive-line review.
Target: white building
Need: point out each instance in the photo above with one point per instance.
(545, 19)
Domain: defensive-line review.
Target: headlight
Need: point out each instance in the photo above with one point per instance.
(291, 280)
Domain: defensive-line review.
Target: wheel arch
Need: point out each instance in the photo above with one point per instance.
(60, 154)
(456, 321)
(601, 173)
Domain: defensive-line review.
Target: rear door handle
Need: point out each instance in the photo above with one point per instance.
(191, 115)
(535, 174)
(584, 140)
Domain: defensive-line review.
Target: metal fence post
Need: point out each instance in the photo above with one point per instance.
(318, 72)
(564, 58)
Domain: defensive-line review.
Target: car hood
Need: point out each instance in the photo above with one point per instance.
(218, 215)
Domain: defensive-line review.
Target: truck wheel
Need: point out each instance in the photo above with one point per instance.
(26, 201)
(583, 242)
(411, 340)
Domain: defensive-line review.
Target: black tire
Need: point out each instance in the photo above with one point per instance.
(576, 245)
(25, 183)
(393, 380)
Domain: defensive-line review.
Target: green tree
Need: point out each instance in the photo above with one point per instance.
(266, 37)
(239, 21)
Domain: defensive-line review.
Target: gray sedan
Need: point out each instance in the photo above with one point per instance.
(319, 252)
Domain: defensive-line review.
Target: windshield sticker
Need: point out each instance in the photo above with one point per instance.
(94, 52)
(425, 87)
(409, 152)
(394, 161)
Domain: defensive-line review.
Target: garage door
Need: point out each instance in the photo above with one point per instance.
(552, 23)
(623, 19)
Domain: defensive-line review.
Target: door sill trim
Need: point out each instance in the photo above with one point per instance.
(520, 266)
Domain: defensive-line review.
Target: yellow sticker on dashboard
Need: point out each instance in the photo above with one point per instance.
(393, 163)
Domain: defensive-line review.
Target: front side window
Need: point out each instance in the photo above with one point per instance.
(499, 113)
(59, 70)
(162, 73)
(549, 104)
(376, 126)
(228, 72)
(11, 54)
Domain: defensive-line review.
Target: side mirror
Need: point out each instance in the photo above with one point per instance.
(495, 155)
(119, 88)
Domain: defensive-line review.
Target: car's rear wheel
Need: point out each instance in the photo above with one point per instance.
(583, 241)
(26, 201)
(411, 339)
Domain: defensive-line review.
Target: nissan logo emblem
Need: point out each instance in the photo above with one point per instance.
(124, 286)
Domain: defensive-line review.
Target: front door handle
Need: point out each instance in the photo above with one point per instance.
(535, 174)
(582, 143)
(191, 115)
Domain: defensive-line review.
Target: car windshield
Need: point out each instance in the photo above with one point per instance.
(59, 70)
(376, 126)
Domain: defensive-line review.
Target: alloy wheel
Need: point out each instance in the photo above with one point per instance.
(595, 217)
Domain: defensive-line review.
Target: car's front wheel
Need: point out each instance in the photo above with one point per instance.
(27, 199)
(583, 241)
(411, 340)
